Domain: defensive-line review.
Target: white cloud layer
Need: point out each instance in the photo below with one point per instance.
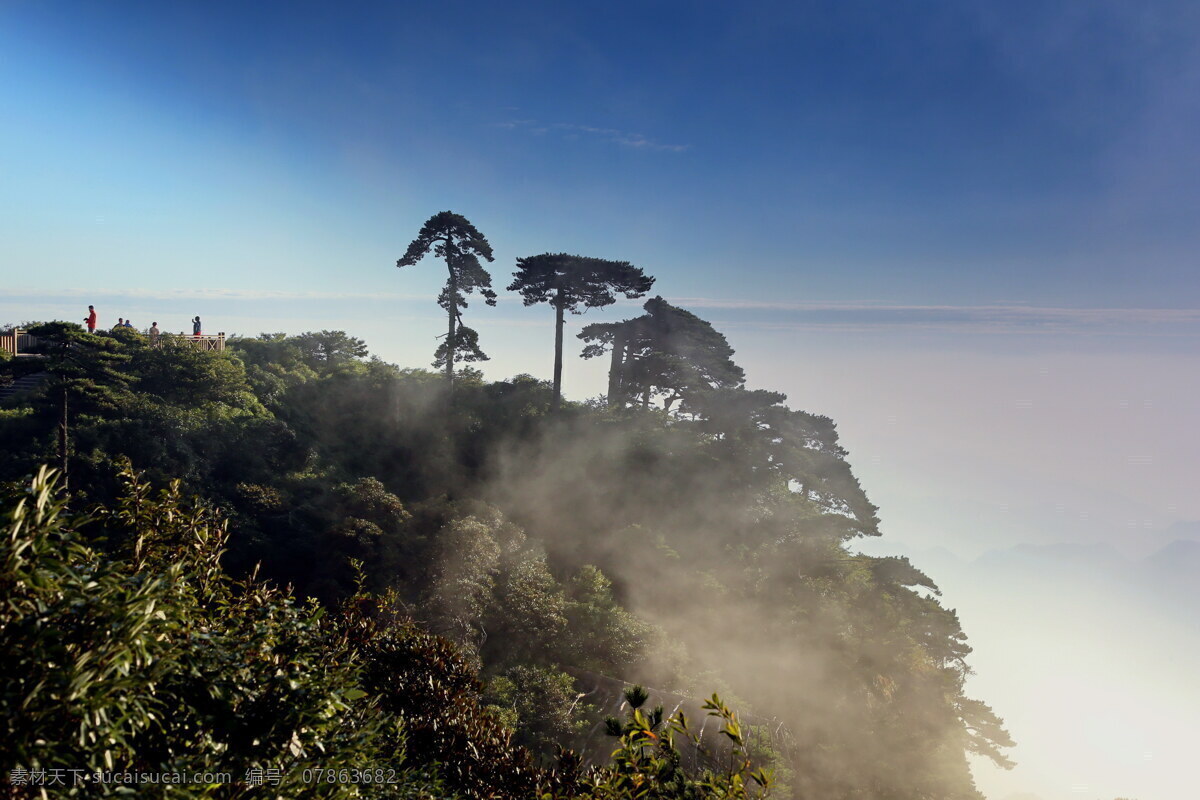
(741, 313)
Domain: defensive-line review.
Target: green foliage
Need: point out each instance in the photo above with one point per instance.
(648, 764)
(463, 347)
(149, 659)
(542, 705)
(330, 349)
(83, 377)
(601, 635)
(464, 587)
(274, 363)
(706, 546)
(528, 618)
(422, 679)
(188, 377)
(568, 282)
(85, 368)
(667, 352)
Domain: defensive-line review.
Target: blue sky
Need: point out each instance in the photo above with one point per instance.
(937, 153)
(968, 231)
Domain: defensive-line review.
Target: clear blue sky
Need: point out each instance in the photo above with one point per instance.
(958, 152)
(969, 231)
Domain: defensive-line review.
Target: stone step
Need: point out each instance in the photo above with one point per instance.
(26, 383)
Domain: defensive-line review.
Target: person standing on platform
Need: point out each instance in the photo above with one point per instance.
(196, 327)
(91, 319)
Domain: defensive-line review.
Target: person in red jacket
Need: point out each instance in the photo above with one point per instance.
(91, 319)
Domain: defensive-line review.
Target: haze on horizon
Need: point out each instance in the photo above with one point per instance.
(967, 232)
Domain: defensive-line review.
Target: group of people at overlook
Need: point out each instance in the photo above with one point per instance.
(92, 320)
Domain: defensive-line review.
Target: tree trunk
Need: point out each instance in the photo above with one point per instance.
(451, 348)
(614, 371)
(62, 439)
(558, 351)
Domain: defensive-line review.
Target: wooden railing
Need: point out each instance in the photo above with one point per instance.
(212, 344)
(16, 341)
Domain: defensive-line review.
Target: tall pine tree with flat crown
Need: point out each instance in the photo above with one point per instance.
(452, 237)
(570, 282)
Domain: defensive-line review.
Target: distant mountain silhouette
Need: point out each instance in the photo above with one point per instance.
(1179, 554)
(1170, 576)
(1095, 560)
(1186, 529)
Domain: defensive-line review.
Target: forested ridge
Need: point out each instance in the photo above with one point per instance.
(294, 553)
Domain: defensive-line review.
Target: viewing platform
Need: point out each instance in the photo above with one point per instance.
(18, 342)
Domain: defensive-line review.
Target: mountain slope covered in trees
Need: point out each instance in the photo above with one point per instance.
(703, 546)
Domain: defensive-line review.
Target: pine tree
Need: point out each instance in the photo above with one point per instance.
(83, 375)
(666, 352)
(452, 237)
(568, 282)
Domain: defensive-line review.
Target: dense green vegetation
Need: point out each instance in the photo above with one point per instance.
(127, 649)
(475, 555)
(706, 548)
